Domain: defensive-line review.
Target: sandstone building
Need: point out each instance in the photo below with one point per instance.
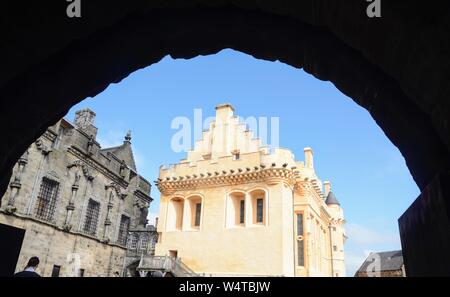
(77, 202)
(236, 208)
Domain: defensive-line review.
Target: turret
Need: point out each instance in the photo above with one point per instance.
(337, 231)
(331, 199)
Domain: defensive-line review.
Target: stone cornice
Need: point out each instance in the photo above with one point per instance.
(311, 187)
(50, 135)
(145, 197)
(269, 176)
(337, 222)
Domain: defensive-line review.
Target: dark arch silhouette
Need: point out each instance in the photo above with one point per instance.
(400, 80)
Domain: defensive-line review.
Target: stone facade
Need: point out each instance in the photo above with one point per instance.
(382, 264)
(76, 201)
(236, 208)
(141, 243)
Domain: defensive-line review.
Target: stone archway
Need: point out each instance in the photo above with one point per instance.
(47, 67)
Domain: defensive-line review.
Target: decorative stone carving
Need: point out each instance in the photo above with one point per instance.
(123, 168)
(15, 185)
(43, 148)
(23, 161)
(108, 223)
(87, 173)
(116, 189)
(10, 209)
(128, 136)
(53, 175)
(143, 216)
(90, 145)
(76, 182)
(67, 227)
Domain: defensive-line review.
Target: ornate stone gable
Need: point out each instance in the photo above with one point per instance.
(90, 165)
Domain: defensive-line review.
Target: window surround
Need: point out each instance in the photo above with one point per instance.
(254, 195)
(175, 214)
(299, 239)
(50, 177)
(122, 240)
(189, 214)
(232, 209)
(96, 223)
(250, 196)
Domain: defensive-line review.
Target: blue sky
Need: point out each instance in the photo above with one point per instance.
(368, 173)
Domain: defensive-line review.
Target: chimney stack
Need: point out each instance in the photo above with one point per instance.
(309, 160)
(224, 112)
(327, 186)
(84, 121)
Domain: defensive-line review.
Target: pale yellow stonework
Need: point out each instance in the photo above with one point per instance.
(232, 208)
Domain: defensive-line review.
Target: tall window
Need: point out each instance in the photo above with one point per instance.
(123, 230)
(259, 210)
(144, 242)
(133, 241)
(90, 223)
(46, 200)
(56, 270)
(299, 224)
(175, 212)
(301, 252)
(235, 212)
(300, 241)
(198, 212)
(258, 204)
(242, 212)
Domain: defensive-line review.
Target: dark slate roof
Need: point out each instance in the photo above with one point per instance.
(331, 199)
(122, 152)
(389, 261)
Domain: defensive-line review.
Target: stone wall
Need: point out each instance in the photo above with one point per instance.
(56, 247)
(83, 172)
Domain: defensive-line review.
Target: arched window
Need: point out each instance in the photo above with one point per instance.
(235, 209)
(194, 211)
(175, 214)
(258, 205)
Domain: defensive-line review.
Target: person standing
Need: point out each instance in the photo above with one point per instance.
(30, 269)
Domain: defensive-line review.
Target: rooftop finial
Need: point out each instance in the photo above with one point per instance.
(128, 136)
